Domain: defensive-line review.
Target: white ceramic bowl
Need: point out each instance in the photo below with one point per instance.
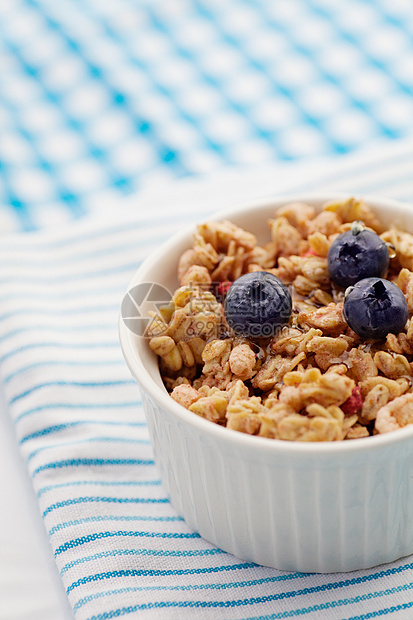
(310, 507)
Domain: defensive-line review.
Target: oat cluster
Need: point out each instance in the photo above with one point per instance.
(315, 380)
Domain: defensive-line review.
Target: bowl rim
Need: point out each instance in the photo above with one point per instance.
(215, 431)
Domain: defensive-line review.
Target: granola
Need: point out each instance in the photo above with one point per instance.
(313, 380)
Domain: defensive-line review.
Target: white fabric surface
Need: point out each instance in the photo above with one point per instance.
(119, 547)
(30, 586)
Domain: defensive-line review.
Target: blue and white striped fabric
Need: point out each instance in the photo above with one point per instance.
(100, 99)
(118, 545)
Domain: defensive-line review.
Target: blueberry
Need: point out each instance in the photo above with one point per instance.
(374, 308)
(257, 304)
(356, 254)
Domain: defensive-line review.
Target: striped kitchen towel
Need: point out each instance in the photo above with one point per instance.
(101, 99)
(120, 548)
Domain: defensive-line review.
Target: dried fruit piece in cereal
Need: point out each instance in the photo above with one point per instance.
(354, 402)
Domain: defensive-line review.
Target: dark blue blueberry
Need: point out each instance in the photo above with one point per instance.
(356, 254)
(374, 308)
(257, 304)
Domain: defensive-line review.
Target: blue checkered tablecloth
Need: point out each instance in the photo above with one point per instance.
(103, 98)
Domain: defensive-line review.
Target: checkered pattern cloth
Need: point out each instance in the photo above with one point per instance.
(102, 98)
